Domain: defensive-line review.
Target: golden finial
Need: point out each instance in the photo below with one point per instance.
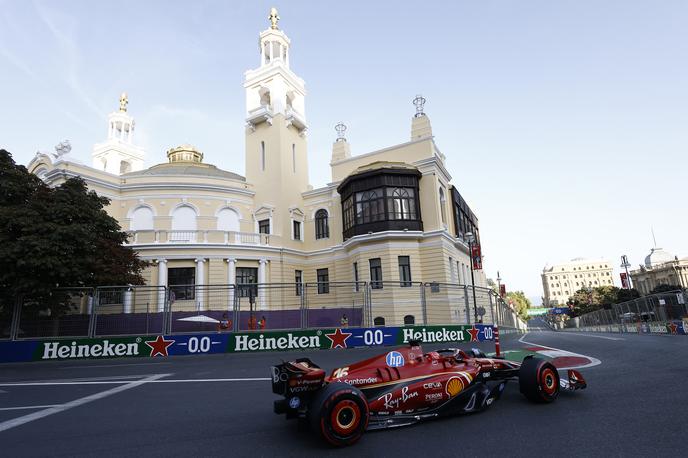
(123, 101)
(273, 18)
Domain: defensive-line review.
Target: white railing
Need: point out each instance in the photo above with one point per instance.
(144, 237)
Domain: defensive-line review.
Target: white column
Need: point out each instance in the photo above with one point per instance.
(200, 280)
(231, 279)
(286, 51)
(162, 281)
(131, 131)
(262, 276)
(127, 300)
(262, 53)
(271, 53)
(110, 130)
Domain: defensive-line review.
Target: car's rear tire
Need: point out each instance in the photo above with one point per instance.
(538, 380)
(339, 414)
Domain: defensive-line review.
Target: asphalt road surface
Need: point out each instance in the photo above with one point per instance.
(636, 404)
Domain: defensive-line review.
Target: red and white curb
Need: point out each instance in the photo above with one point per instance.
(562, 359)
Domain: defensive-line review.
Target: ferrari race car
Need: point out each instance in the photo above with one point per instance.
(405, 386)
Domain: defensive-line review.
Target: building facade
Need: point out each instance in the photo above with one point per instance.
(561, 281)
(660, 268)
(391, 217)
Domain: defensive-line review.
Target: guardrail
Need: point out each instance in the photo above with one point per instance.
(143, 310)
(658, 313)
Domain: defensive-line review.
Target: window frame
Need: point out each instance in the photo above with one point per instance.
(323, 279)
(376, 280)
(262, 224)
(322, 224)
(184, 290)
(404, 270)
(298, 280)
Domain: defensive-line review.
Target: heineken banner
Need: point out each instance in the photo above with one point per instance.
(242, 342)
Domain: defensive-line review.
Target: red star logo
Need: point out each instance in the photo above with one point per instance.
(474, 333)
(338, 338)
(159, 346)
(673, 327)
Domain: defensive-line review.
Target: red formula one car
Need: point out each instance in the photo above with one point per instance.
(405, 386)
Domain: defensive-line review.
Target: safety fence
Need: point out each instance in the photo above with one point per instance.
(177, 309)
(657, 313)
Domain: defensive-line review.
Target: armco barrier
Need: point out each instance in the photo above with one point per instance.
(243, 342)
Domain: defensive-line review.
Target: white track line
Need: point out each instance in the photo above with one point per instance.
(29, 407)
(597, 337)
(594, 361)
(114, 365)
(140, 382)
(13, 423)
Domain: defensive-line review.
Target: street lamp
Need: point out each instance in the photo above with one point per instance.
(471, 240)
(625, 264)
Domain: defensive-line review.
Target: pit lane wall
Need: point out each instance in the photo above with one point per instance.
(240, 342)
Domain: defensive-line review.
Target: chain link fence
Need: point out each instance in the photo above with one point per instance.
(142, 310)
(637, 315)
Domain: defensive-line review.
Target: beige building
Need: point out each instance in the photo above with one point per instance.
(391, 217)
(561, 281)
(660, 268)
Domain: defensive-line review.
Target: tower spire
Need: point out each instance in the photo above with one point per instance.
(274, 18)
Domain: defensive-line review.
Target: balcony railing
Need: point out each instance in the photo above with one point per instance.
(200, 236)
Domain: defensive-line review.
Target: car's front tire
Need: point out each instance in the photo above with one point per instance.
(538, 380)
(339, 414)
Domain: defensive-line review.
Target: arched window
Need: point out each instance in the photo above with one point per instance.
(322, 228)
(228, 220)
(409, 319)
(142, 219)
(264, 97)
(401, 203)
(379, 321)
(443, 206)
(183, 224)
(370, 206)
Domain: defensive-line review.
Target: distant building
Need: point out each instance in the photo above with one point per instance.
(561, 281)
(660, 268)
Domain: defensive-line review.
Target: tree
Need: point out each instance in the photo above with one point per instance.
(588, 300)
(520, 303)
(626, 295)
(51, 237)
(665, 289)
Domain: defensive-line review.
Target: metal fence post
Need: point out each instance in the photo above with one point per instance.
(16, 314)
(93, 310)
(468, 305)
(423, 304)
(304, 306)
(235, 308)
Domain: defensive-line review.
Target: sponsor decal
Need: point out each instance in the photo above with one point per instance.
(432, 385)
(394, 403)
(394, 359)
(159, 346)
(658, 328)
(102, 348)
(341, 372)
(474, 333)
(338, 338)
(304, 382)
(454, 386)
(276, 341)
(434, 396)
(294, 402)
(361, 381)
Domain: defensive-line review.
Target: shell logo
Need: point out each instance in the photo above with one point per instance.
(454, 386)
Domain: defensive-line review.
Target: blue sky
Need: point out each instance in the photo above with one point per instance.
(564, 123)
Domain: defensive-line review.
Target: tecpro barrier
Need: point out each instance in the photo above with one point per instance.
(239, 342)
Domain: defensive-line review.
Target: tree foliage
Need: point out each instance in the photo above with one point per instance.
(520, 302)
(57, 237)
(665, 289)
(587, 300)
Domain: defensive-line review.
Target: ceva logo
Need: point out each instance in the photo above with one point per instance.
(394, 359)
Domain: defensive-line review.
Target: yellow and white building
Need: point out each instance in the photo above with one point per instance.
(390, 216)
(561, 281)
(660, 268)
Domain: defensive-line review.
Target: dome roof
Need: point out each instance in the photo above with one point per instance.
(186, 169)
(657, 256)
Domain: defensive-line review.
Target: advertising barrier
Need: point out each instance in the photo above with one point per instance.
(239, 342)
